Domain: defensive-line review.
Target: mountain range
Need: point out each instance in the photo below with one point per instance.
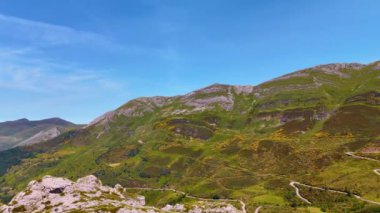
(307, 141)
(24, 132)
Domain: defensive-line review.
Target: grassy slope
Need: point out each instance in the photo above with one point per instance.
(246, 157)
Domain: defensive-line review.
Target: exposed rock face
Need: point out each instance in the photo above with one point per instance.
(226, 96)
(372, 98)
(140, 106)
(332, 69)
(62, 195)
(227, 209)
(44, 135)
(134, 108)
(174, 208)
(88, 194)
(336, 69)
(199, 100)
(292, 75)
(103, 119)
(207, 97)
(203, 207)
(244, 89)
(377, 66)
(192, 129)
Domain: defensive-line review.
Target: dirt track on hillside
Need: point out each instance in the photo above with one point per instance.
(351, 154)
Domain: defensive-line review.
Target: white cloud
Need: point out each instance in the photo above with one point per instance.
(38, 80)
(41, 64)
(21, 70)
(48, 34)
(25, 66)
(10, 52)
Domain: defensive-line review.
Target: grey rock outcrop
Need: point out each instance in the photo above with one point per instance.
(88, 194)
(54, 194)
(336, 69)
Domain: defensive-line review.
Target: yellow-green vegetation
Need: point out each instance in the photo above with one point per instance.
(239, 145)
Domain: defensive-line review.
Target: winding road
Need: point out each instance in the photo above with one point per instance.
(243, 205)
(351, 154)
(257, 210)
(376, 171)
(293, 184)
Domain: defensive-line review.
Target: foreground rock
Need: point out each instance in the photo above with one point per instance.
(54, 194)
(62, 195)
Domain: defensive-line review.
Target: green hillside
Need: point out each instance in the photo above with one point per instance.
(237, 142)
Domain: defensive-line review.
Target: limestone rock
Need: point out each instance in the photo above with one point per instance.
(61, 195)
(88, 194)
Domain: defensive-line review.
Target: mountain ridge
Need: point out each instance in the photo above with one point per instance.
(26, 132)
(234, 142)
(331, 69)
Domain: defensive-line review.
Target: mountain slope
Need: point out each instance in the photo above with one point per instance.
(240, 142)
(24, 132)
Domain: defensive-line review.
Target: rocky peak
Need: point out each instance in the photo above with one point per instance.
(140, 106)
(336, 68)
(22, 120)
(25, 123)
(214, 88)
(199, 100)
(301, 73)
(332, 69)
(376, 65)
(16, 122)
(56, 121)
(134, 108)
(158, 101)
(103, 119)
(220, 88)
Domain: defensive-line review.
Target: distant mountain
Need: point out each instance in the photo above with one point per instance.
(310, 138)
(24, 132)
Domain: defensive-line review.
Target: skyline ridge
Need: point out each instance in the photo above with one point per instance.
(204, 87)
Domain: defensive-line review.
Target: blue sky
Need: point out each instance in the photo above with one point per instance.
(77, 59)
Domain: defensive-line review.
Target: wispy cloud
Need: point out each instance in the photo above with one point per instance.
(38, 80)
(21, 70)
(25, 63)
(41, 33)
